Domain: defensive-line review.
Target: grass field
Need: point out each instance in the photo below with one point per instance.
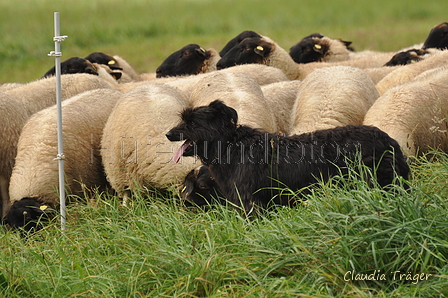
(146, 32)
(156, 247)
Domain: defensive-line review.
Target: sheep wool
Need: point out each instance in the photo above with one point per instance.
(135, 150)
(240, 92)
(35, 174)
(281, 97)
(14, 116)
(415, 113)
(39, 94)
(331, 97)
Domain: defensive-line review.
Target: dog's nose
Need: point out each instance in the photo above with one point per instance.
(169, 135)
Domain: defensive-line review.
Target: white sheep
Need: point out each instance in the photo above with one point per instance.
(39, 94)
(408, 72)
(281, 97)
(331, 97)
(266, 51)
(35, 173)
(240, 92)
(415, 114)
(135, 151)
(14, 116)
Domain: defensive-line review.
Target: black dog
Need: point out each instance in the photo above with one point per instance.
(200, 188)
(251, 166)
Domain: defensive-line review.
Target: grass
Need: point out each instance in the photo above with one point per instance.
(146, 32)
(156, 247)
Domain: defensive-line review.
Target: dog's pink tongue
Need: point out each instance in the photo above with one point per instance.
(181, 151)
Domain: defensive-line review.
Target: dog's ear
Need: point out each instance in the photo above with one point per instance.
(220, 107)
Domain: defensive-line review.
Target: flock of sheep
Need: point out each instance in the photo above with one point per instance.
(115, 120)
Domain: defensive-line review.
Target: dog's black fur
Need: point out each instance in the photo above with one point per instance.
(200, 189)
(249, 165)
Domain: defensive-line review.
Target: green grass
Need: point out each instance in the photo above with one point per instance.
(146, 32)
(156, 247)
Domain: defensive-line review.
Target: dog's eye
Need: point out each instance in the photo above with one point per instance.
(192, 123)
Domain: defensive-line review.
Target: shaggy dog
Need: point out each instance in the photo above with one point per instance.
(253, 167)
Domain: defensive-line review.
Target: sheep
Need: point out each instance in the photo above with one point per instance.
(239, 92)
(410, 71)
(415, 113)
(281, 97)
(437, 38)
(376, 74)
(21, 102)
(331, 97)
(73, 65)
(319, 48)
(135, 151)
(9, 86)
(14, 116)
(129, 73)
(39, 94)
(189, 60)
(407, 57)
(236, 40)
(35, 174)
(266, 51)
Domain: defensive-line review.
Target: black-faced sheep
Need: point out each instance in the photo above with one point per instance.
(318, 48)
(236, 40)
(407, 57)
(102, 58)
(35, 173)
(14, 116)
(331, 97)
(437, 38)
(189, 60)
(410, 71)
(415, 113)
(19, 103)
(73, 65)
(266, 51)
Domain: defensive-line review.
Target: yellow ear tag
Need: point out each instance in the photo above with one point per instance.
(260, 48)
(183, 189)
(202, 49)
(318, 46)
(111, 62)
(43, 207)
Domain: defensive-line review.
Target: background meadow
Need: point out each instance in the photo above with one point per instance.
(156, 247)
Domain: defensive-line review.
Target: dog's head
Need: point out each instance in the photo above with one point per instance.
(199, 187)
(215, 122)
